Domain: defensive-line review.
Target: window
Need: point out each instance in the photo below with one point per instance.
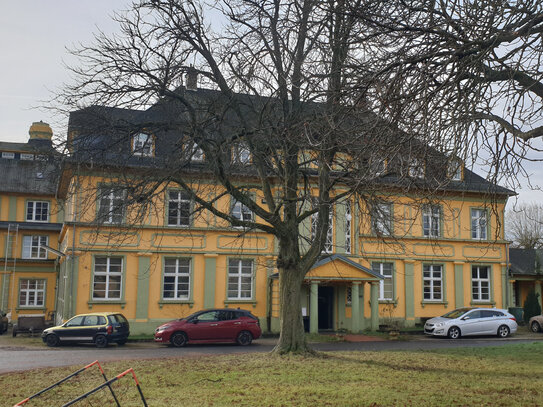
(33, 247)
(415, 169)
(478, 224)
(377, 166)
(107, 278)
(381, 219)
(432, 276)
(386, 286)
(179, 207)
(196, 153)
(111, 205)
(9, 156)
(241, 154)
(348, 228)
(431, 221)
(454, 169)
(31, 293)
(349, 296)
(28, 157)
(142, 145)
(240, 279)
(241, 212)
(37, 211)
(329, 242)
(480, 283)
(176, 279)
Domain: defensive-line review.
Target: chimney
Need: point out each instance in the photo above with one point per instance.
(192, 78)
(40, 134)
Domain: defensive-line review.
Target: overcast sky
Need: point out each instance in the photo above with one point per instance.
(34, 35)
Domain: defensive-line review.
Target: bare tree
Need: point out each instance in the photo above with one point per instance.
(468, 75)
(292, 84)
(524, 226)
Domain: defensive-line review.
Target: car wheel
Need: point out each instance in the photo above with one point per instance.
(454, 332)
(178, 339)
(52, 340)
(14, 331)
(100, 341)
(535, 327)
(244, 338)
(503, 331)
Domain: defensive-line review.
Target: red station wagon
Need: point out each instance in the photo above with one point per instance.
(211, 326)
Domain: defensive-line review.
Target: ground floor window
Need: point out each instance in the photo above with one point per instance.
(386, 286)
(31, 293)
(480, 283)
(240, 279)
(432, 276)
(176, 279)
(107, 278)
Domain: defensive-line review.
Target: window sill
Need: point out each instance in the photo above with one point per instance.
(428, 302)
(30, 308)
(175, 302)
(248, 301)
(486, 302)
(109, 302)
(395, 302)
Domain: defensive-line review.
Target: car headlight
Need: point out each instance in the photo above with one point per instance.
(162, 328)
(439, 324)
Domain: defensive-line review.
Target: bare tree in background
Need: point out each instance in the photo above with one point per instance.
(468, 75)
(308, 88)
(524, 226)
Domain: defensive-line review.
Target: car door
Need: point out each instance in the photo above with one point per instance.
(229, 324)
(490, 322)
(71, 330)
(469, 323)
(91, 325)
(204, 326)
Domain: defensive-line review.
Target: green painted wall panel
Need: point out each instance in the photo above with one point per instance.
(409, 290)
(209, 283)
(458, 285)
(12, 211)
(142, 301)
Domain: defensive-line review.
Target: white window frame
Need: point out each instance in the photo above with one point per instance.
(388, 274)
(377, 166)
(37, 301)
(33, 246)
(110, 277)
(479, 224)
(431, 221)
(179, 270)
(179, 204)
(241, 212)
(478, 282)
(33, 214)
(241, 154)
(238, 271)
(329, 242)
(381, 219)
(415, 168)
(142, 145)
(348, 228)
(432, 277)
(27, 157)
(8, 155)
(196, 153)
(454, 169)
(114, 199)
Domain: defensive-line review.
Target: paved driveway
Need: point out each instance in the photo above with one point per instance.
(18, 358)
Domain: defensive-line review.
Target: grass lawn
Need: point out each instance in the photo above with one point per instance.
(510, 375)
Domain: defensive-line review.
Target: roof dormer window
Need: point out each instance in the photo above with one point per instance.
(454, 169)
(415, 168)
(142, 145)
(196, 153)
(241, 154)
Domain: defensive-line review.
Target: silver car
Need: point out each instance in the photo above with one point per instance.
(536, 323)
(472, 321)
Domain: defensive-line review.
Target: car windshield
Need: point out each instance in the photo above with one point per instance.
(457, 313)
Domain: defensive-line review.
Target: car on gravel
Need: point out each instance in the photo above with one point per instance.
(472, 321)
(100, 328)
(536, 323)
(211, 326)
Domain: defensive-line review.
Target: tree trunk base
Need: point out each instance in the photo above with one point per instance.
(290, 350)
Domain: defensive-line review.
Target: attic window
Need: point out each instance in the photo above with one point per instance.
(27, 156)
(142, 145)
(39, 175)
(241, 154)
(9, 156)
(196, 153)
(454, 169)
(415, 169)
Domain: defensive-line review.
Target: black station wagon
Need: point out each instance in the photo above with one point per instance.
(100, 328)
